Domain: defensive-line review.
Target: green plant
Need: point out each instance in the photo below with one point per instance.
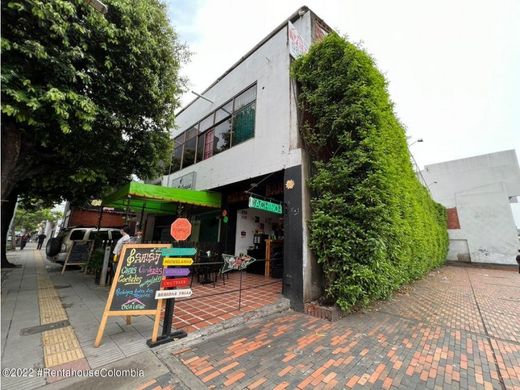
(95, 263)
(373, 227)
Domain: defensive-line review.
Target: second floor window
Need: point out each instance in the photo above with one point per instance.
(230, 125)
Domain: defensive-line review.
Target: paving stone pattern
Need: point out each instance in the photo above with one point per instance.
(459, 327)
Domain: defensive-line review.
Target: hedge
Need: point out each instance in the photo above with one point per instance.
(374, 226)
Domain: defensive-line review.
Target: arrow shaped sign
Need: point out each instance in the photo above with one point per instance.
(178, 282)
(176, 271)
(180, 293)
(177, 261)
(178, 252)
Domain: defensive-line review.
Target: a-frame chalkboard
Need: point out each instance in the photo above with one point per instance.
(78, 254)
(138, 276)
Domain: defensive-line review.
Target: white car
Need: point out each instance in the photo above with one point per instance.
(58, 247)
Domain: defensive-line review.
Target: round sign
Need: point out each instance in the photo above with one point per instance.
(180, 229)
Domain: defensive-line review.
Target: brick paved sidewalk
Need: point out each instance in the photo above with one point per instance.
(456, 328)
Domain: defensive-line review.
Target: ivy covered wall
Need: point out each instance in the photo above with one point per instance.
(374, 227)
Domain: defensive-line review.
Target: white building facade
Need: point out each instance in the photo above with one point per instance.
(240, 137)
(478, 192)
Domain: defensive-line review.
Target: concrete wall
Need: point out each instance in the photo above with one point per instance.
(480, 189)
(270, 149)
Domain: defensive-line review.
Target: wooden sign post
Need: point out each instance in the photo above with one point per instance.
(138, 276)
(78, 254)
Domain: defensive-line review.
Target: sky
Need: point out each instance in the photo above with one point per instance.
(453, 66)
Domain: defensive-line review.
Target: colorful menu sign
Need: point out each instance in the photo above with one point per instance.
(138, 276)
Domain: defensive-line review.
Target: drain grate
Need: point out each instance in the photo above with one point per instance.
(44, 328)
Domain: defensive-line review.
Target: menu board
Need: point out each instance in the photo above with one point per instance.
(140, 275)
(78, 254)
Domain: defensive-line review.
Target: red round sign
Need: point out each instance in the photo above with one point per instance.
(180, 229)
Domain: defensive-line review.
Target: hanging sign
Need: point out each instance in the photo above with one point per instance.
(137, 278)
(166, 252)
(265, 205)
(180, 293)
(176, 272)
(297, 45)
(177, 261)
(179, 282)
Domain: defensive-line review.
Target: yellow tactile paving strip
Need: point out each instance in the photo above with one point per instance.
(61, 345)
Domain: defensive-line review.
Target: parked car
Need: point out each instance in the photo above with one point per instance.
(58, 247)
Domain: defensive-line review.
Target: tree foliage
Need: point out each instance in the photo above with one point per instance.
(32, 220)
(88, 99)
(374, 227)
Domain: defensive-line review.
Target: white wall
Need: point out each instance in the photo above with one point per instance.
(246, 222)
(480, 188)
(270, 149)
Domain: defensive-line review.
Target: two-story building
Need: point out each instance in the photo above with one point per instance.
(240, 138)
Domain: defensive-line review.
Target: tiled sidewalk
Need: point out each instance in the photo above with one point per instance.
(211, 305)
(456, 328)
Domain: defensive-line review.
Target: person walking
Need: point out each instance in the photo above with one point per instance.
(41, 238)
(23, 240)
(518, 261)
(125, 238)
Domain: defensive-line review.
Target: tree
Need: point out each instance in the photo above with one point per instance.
(87, 99)
(31, 220)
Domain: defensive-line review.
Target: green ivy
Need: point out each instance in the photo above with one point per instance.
(374, 227)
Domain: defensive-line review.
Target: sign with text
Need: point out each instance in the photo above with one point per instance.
(137, 278)
(297, 45)
(180, 229)
(166, 252)
(169, 272)
(173, 261)
(265, 205)
(179, 282)
(179, 293)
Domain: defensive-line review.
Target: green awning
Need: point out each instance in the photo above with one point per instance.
(156, 199)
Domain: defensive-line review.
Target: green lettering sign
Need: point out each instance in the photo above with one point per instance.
(265, 205)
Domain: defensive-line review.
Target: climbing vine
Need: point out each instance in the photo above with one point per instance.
(374, 226)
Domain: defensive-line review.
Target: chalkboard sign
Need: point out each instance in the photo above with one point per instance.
(138, 276)
(79, 253)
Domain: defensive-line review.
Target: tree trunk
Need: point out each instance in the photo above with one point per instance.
(11, 151)
(8, 206)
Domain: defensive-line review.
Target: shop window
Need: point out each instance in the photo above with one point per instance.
(244, 124)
